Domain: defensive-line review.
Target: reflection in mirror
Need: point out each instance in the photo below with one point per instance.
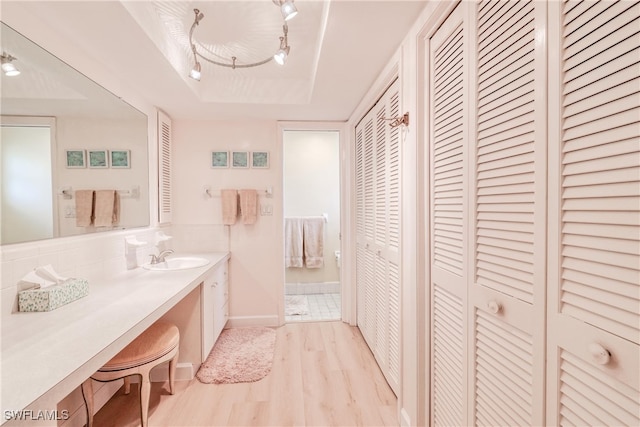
(60, 133)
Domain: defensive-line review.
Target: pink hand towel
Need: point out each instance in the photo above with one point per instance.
(106, 211)
(249, 206)
(84, 207)
(229, 206)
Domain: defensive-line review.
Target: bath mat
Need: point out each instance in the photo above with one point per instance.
(295, 305)
(240, 355)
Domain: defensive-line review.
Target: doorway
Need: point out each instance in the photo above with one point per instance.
(311, 183)
(27, 172)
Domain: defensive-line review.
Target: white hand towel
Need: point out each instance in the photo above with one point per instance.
(293, 243)
(313, 236)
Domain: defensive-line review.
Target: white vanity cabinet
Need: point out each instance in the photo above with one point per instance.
(215, 306)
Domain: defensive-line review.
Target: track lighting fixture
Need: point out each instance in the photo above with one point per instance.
(288, 10)
(281, 55)
(8, 67)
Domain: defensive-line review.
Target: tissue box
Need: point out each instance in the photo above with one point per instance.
(52, 297)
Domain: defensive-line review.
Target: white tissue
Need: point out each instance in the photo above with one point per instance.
(48, 273)
(41, 277)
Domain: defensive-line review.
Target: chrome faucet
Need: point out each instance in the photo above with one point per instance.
(160, 257)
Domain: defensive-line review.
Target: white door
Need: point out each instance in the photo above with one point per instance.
(508, 223)
(448, 78)
(594, 244)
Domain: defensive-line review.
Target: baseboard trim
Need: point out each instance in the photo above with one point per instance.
(405, 419)
(184, 372)
(245, 321)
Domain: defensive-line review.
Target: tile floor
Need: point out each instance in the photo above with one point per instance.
(321, 307)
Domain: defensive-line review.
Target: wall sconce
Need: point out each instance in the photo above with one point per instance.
(399, 121)
(8, 67)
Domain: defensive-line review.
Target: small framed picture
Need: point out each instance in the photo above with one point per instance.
(240, 159)
(98, 159)
(260, 159)
(75, 158)
(120, 159)
(220, 159)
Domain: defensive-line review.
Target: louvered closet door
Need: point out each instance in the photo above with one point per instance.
(387, 236)
(448, 74)
(507, 292)
(377, 173)
(164, 168)
(365, 216)
(594, 311)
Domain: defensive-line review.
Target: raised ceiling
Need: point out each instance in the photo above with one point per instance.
(338, 49)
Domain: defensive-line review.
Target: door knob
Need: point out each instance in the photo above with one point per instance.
(600, 355)
(494, 306)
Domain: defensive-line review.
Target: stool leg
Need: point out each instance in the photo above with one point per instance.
(127, 385)
(172, 373)
(87, 395)
(145, 391)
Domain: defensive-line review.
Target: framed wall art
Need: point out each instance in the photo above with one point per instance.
(98, 159)
(260, 159)
(220, 159)
(120, 159)
(75, 158)
(240, 159)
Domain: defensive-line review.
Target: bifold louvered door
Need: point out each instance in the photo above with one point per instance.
(488, 235)
(448, 52)
(377, 170)
(508, 224)
(594, 286)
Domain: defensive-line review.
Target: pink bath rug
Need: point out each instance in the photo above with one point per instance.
(240, 355)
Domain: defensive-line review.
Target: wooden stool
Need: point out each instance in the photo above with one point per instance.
(159, 343)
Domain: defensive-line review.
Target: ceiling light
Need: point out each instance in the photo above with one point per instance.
(195, 72)
(281, 55)
(288, 10)
(8, 67)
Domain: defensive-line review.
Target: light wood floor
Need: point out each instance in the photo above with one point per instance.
(323, 374)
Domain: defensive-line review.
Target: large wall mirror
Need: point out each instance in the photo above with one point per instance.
(61, 133)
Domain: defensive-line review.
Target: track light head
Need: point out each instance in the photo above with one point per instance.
(8, 67)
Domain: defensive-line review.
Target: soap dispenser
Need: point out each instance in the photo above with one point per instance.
(131, 245)
(162, 241)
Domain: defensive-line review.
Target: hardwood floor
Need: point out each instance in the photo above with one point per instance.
(323, 374)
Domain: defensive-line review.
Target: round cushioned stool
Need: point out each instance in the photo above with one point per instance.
(159, 343)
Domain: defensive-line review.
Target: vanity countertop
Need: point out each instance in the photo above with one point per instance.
(46, 355)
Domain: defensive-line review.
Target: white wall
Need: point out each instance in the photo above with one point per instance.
(103, 134)
(311, 178)
(256, 274)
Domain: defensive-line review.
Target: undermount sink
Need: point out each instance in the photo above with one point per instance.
(178, 263)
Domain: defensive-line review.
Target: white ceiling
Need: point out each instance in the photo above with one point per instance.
(338, 49)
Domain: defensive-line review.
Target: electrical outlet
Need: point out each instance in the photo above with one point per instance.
(266, 210)
(69, 212)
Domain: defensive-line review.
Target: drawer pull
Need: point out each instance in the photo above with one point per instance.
(494, 307)
(600, 355)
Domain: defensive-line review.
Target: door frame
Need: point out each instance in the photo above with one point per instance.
(346, 272)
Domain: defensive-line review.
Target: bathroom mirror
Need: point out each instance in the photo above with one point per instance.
(62, 132)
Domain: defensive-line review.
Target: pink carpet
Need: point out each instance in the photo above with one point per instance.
(240, 355)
